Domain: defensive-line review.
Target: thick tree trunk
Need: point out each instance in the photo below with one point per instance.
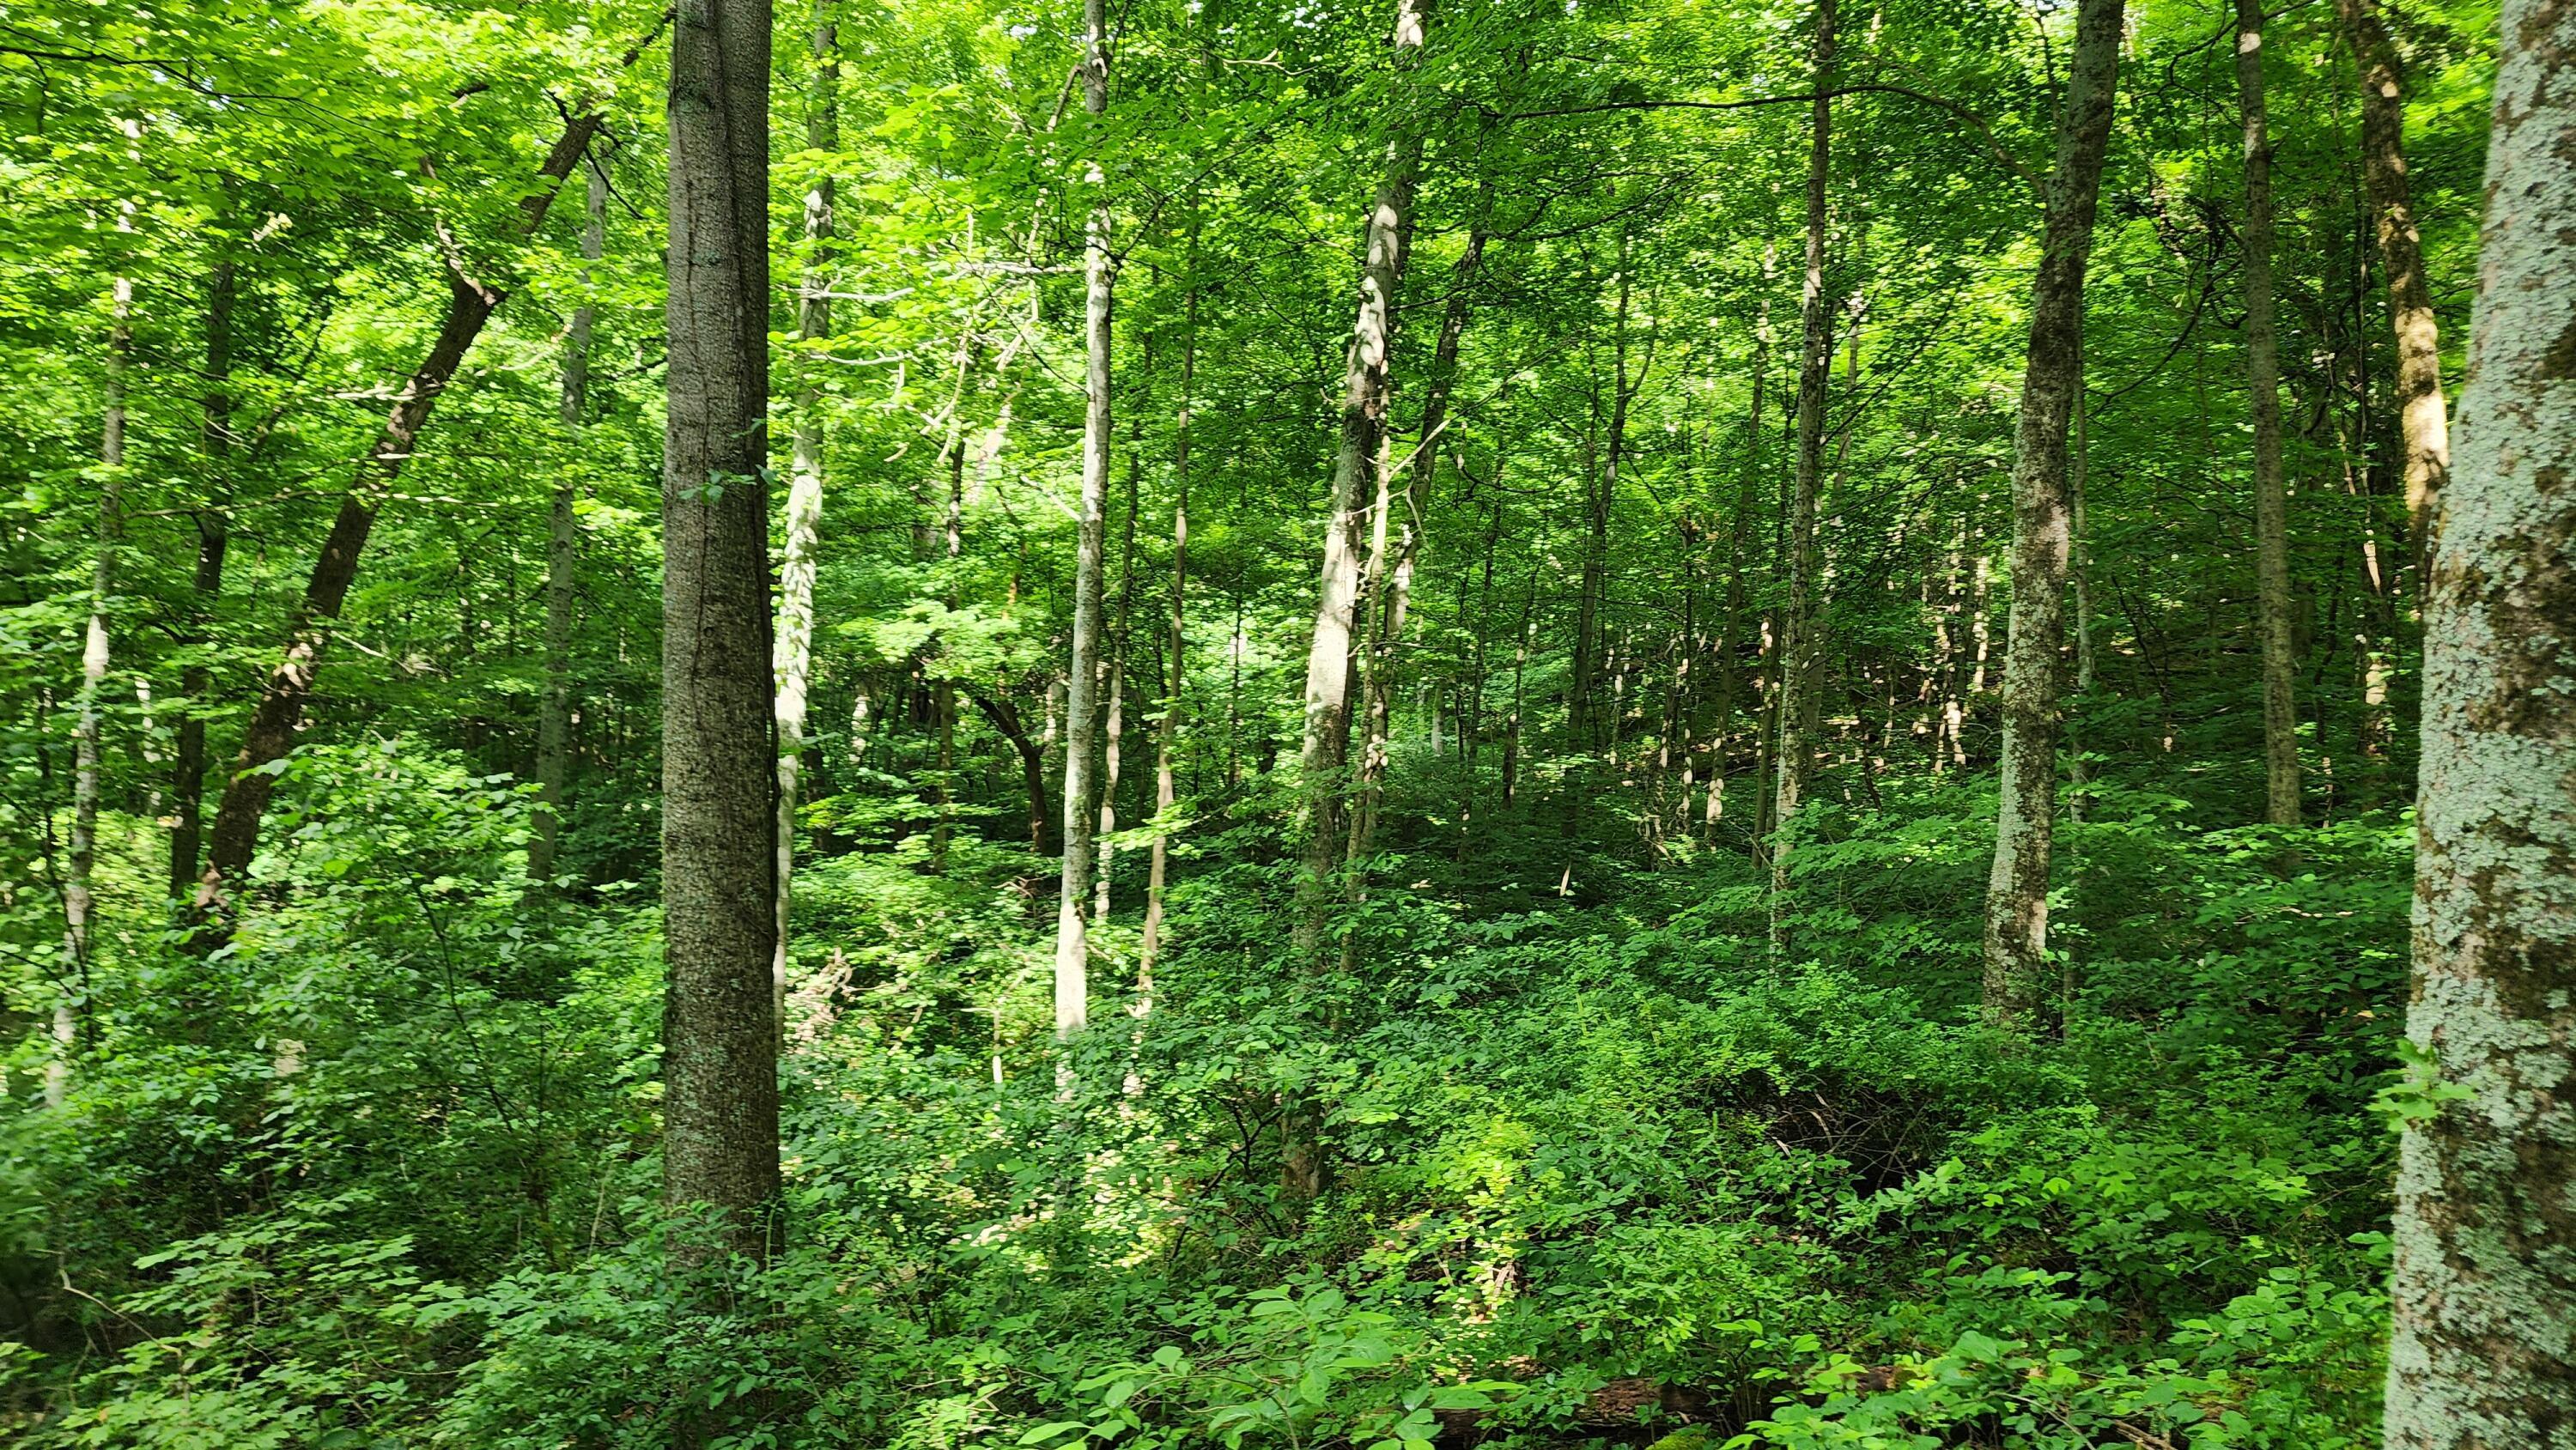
(2483, 1351)
(2016, 930)
(2263, 376)
(2421, 424)
(1100, 272)
(214, 537)
(563, 541)
(1800, 657)
(280, 711)
(792, 661)
(719, 756)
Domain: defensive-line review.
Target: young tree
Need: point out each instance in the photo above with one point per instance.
(1081, 728)
(2016, 930)
(2485, 1281)
(563, 542)
(2263, 376)
(1800, 657)
(794, 662)
(2424, 429)
(719, 1031)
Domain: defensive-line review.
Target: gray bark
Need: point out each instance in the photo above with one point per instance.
(2483, 1351)
(78, 899)
(719, 873)
(2421, 424)
(1100, 275)
(2263, 376)
(563, 541)
(792, 656)
(2016, 927)
(1799, 656)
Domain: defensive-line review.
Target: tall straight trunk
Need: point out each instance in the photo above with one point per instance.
(1114, 668)
(2078, 768)
(2422, 426)
(1395, 591)
(1100, 274)
(1799, 656)
(86, 755)
(719, 781)
(1167, 734)
(792, 657)
(1739, 542)
(214, 537)
(563, 538)
(2263, 374)
(2016, 929)
(280, 710)
(1324, 749)
(2485, 1279)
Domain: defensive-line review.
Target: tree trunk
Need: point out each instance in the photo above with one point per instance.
(86, 755)
(2078, 768)
(280, 711)
(2016, 929)
(2485, 1279)
(1005, 719)
(1739, 543)
(2421, 424)
(563, 539)
(1325, 747)
(2263, 374)
(1114, 666)
(1167, 734)
(719, 781)
(1395, 592)
(214, 536)
(1100, 272)
(1799, 654)
(792, 657)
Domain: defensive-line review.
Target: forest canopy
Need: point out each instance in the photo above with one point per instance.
(970, 725)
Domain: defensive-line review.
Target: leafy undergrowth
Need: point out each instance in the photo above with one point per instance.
(1603, 1164)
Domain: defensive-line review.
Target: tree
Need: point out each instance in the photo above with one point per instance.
(2016, 928)
(1800, 657)
(719, 891)
(563, 543)
(794, 663)
(1082, 672)
(2485, 1278)
(2263, 371)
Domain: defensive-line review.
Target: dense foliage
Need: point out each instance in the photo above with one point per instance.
(1622, 1140)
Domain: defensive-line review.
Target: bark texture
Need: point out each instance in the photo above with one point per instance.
(2483, 1351)
(2422, 426)
(1324, 750)
(719, 1032)
(793, 655)
(1081, 697)
(2263, 378)
(2016, 928)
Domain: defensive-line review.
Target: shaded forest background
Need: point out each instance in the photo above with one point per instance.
(1623, 1106)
